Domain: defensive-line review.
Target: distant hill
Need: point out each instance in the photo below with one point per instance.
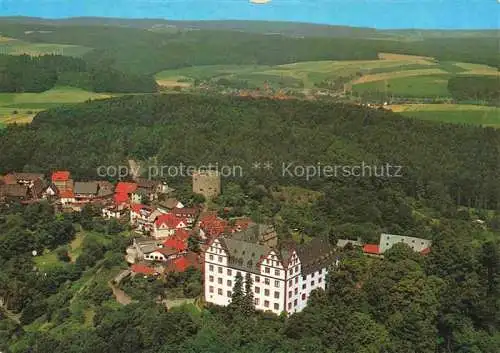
(263, 27)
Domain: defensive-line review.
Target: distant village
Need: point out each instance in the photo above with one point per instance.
(172, 238)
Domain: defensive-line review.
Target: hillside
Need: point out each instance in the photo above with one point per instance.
(196, 130)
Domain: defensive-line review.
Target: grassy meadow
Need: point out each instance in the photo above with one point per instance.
(452, 113)
(10, 46)
(22, 107)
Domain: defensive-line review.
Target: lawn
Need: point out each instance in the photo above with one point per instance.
(428, 86)
(452, 113)
(9, 46)
(22, 107)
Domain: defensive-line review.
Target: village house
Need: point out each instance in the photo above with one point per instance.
(85, 191)
(283, 278)
(189, 214)
(62, 180)
(387, 241)
(124, 190)
(22, 187)
(146, 190)
(142, 217)
(170, 204)
(166, 225)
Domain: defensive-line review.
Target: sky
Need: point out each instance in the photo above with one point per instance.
(382, 14)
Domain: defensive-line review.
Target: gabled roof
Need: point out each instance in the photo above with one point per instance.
(182, 234)
(120, 198)
(169, 219)
(27, 176)
(125, 187)
(37, 189)
(315, 255)
(371, 249)
(174, 243)
(142, 269)
(66, 194)
(137, 207)
(61, 175)
(244, 255)
(213, 226)
(167, 251)
(147, 183)
(88, 188)
(170, 203)
(15, 190)
(185, 211)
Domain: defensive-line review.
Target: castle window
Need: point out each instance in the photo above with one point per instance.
(220, 259)
(229, 294)
(211, 278)
(219, 280)
(320, 279)
(210, 267)
(266, 292)
(220, 269)
(267, 281)
(312, 283)
(304, 296)
(257, 279)
(219, 291)
(277, 284)
(229, 283)
(267, 270)
(211, 289)
(276, 306)
(296, 291)
(256, 300)
(295, 302)
(290, 306)
(211, 257)
(266, 303)
(296, 280)
(276, 272)
(276, 295)
(257, 290)
(289, 294)
(229, 272)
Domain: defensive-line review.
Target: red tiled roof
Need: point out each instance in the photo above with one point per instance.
(189, 211)
(61, 175)
(143, 269)
(137, 207)
(120, 198)
(213, 226)
(181, 234)
(371, 249)
(126, 188)
(176, 244)
(9, 179)
(66, 194)
(181, 264)
(426, 251)
(168, 219)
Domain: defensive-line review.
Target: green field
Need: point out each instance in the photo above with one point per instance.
(22, 107)
(431, 86)
(10, 46)
(294, 75)
(452, 113)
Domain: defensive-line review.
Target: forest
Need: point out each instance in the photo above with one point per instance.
(38, 74)
(446, 302)
(144, 51)
(475, 88)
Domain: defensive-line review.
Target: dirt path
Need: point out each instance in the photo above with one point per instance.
(121, 296)
(11, 315)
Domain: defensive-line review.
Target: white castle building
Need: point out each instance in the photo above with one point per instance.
(282, 279)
